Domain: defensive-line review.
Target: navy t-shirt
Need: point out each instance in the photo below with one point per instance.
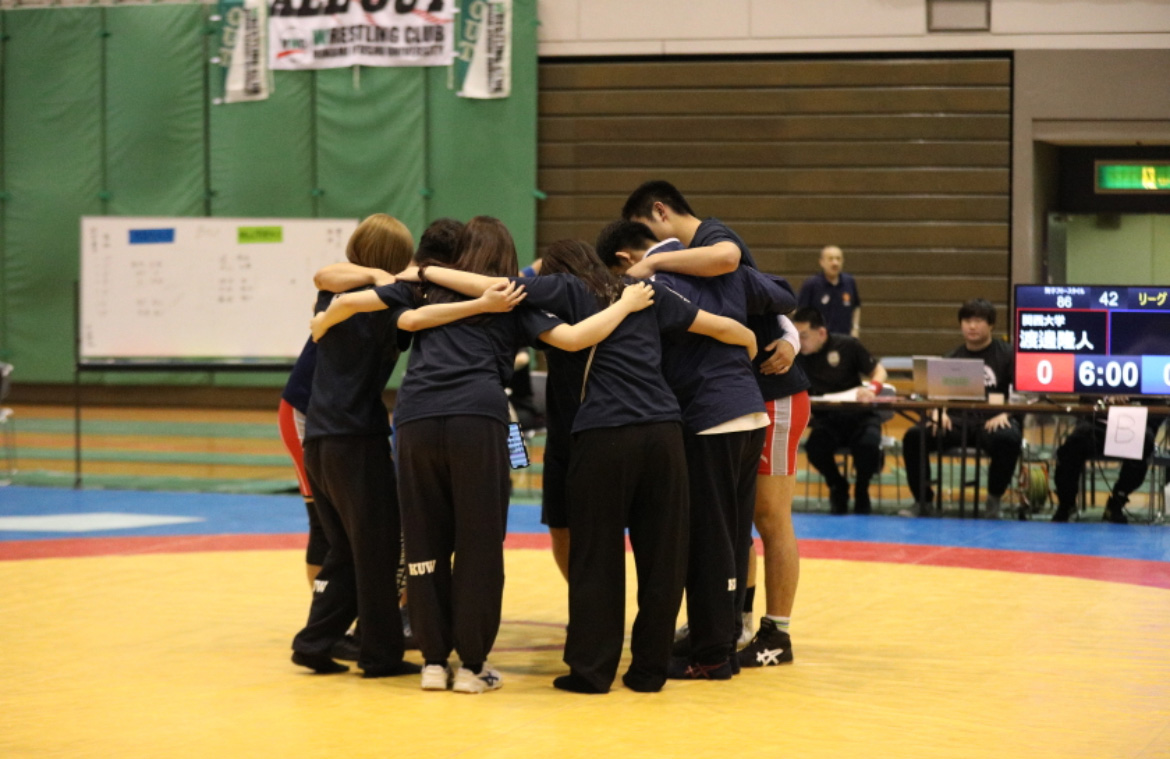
(354, 362)
(767, 329)
(299, 387)
(835, 302)
(567, 297)
(461, 368)
(625, 383)
(714, 381)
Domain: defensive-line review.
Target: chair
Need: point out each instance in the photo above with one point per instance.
(962, 453)
(7, 422)
(1159, 462)
(889, 447)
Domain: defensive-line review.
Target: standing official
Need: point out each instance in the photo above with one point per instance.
(834, 293)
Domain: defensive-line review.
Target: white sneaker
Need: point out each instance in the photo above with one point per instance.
(746, 634)
(436, 677)
(467, 681)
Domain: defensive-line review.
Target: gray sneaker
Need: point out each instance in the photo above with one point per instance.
(436, 677)
(467, 681)
(919, 509)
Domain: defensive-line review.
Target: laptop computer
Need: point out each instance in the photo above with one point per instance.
(949, 379)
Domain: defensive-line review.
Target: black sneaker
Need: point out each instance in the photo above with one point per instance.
(684, 669)
(1115, 510)
(861, 503)
(347, 648)
(839, 499)
(770, 647)
(1062, 514)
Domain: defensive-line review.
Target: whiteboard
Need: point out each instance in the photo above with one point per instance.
(201, 289)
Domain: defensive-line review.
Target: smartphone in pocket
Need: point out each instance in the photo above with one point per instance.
(517, 447)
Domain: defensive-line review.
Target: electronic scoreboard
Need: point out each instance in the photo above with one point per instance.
(1106, 340)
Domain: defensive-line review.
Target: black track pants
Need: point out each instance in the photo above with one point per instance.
(352, 477)
(453, 483)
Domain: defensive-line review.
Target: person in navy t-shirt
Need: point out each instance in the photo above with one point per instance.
(627, 465)
(834, 293)
(713, 250)
(294, 402)
(452, 415)
(347, 457)
(724, 420)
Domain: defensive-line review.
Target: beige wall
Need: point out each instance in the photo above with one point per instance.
(1131, 250)
(659, 27)
(1076, 97)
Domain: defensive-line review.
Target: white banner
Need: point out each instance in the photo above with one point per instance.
(486, 46)
(324, 34)
(243, 50)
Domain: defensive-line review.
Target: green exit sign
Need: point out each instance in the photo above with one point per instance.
(1133, 177)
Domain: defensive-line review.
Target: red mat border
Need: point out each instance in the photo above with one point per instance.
(1153, 574)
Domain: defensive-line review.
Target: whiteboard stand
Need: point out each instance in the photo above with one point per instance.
(170, 293)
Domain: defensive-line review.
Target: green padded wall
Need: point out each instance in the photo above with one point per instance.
(155, 143)
(106, 111)
(371, 144)
(262, 157)
(53, 176)
(482, 153)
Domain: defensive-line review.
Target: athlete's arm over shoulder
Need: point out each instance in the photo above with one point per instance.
(339, 277)
(708, 261)
(501, 297)
(724, 330)
(588, 332)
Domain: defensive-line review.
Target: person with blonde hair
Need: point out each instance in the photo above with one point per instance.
(451, 425)
(349, 466)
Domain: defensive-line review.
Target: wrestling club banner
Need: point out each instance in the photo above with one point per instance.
(322, 34)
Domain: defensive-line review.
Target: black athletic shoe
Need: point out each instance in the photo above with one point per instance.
(1115, 510)
(839, 499)
(1062, 514)
(347, 648)
(861, 503)
(319, 663)
(683, 669)
(396, 669)
(770, 647)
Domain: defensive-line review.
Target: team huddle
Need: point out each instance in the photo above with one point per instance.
(673, 411)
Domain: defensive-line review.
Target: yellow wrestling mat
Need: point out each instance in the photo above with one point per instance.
(187, 655)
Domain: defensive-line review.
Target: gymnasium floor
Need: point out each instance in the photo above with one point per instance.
(157, 624)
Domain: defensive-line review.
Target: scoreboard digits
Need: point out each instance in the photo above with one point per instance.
(1103, 340)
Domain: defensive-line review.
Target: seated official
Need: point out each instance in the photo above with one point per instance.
(997, 434)
(836, 363)
(1086, 441)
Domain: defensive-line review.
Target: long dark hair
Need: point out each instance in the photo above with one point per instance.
(579, 259)
(485, 247)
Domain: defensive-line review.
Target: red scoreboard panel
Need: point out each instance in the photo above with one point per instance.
(1045, 372)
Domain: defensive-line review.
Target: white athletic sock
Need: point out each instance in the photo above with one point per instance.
(781, 622)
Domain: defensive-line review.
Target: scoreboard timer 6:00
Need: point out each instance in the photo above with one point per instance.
(1106, 340)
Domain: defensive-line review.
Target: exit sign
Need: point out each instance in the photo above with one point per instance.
(1133, 177)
